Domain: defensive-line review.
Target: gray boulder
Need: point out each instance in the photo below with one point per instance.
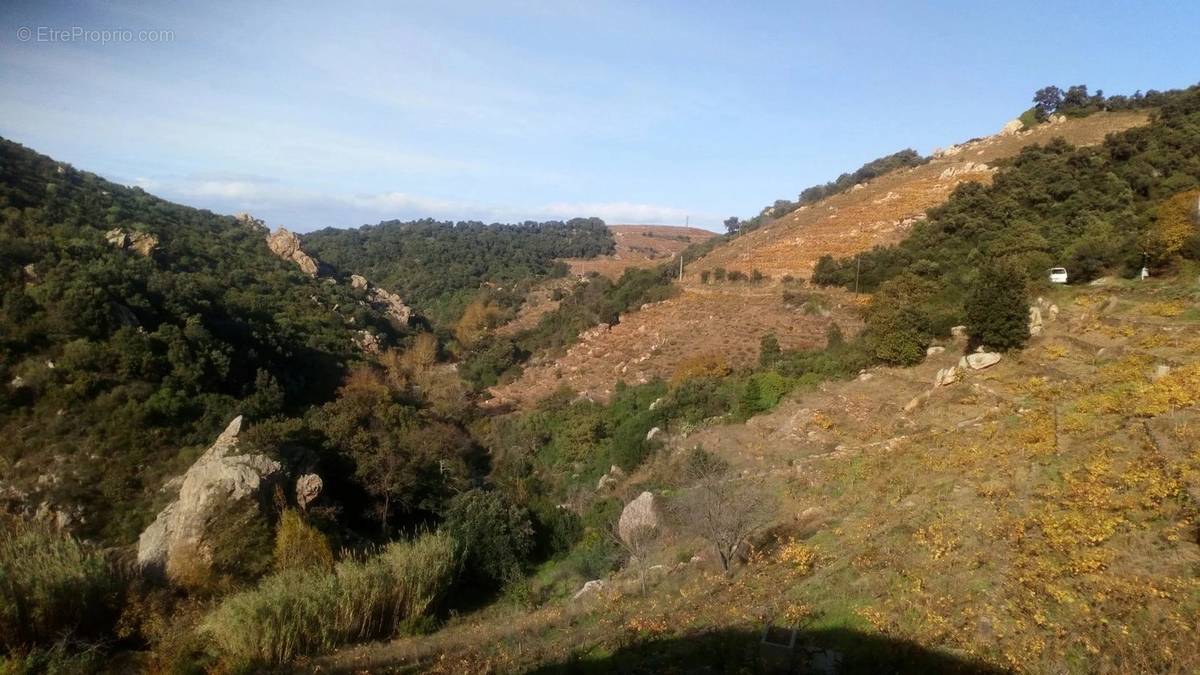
(979, 360)
(640, 518)
(216, 481)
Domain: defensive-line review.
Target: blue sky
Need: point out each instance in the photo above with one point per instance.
(339, 114)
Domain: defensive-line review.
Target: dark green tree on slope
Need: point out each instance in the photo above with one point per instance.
(997, 313)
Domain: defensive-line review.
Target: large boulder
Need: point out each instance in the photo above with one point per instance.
(286, 245)
(215, 483)
(979, 360)
(640, 518)
(1012, 127)
(308, 488)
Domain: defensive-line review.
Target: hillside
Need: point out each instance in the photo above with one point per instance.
(1039, 515)
(883, 210)
(730, 318)
(440, 267)
(639, 246)
(132, 329)
(925, 457)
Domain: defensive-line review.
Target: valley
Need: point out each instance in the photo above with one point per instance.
(862, 432)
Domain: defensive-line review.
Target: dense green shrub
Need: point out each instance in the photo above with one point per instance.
(997, 311)
(768, 350)
(52, 587)
(495, 535)
(899, 322)
(306, 611)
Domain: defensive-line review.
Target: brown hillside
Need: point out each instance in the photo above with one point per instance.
(640, 246)
(883, 210)
(637, 246)
(731, 318)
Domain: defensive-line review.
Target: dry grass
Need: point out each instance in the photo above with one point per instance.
(303, 611)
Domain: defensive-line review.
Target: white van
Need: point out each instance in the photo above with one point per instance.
(1058, 275)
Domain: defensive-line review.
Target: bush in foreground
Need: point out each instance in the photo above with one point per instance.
(51, 587)
(305, 611)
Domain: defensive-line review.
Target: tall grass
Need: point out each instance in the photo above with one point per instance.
(51, 587)
(305, 611)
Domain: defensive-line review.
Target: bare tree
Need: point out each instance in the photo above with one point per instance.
(722, 509)
(637, 544)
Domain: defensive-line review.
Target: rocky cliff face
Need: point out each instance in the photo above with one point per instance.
(216, 481)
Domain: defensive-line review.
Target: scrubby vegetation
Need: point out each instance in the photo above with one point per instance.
(312, 611)
(119, 359)
(593, 302)
(431, 507)
(1092, 210)
(438, 267)
(52, 588)
(810, 195)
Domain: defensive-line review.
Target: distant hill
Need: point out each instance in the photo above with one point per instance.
(640, 246)
(438, 267)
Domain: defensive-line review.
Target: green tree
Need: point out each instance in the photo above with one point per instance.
(997, 312)
(1046, 100)
(899, 320)
(495, 535)
(768, 350)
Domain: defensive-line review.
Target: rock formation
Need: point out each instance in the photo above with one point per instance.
(611, 478)
(1035, 321)
(967, 167)
(639, 517)
(947, 376)
(367, 341)
(251, 222)
(390, 304)
(308, 488)
(979, 360)
(216, 481)
(286, 245)
(1012, 127)
(142, 243)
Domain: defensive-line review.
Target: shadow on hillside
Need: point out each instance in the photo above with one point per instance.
(741, 651)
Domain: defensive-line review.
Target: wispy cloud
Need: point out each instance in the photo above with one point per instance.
(305, 209)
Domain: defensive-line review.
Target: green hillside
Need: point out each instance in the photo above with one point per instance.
(113, 360)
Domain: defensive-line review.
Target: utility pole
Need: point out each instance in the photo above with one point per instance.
(857, 270)
(681, 267)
